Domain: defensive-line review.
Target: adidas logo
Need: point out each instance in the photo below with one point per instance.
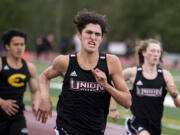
(102, 57)
(139, 68)
(160, 70)
(73, 55)
(24, 130)
(73, 73)
(6, 67)
(139, 83)
(140, 129)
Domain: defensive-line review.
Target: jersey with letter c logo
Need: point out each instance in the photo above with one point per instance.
(16, 80)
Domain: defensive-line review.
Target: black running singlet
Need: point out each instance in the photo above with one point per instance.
(83, 104)
(148, 97)
(13, 82)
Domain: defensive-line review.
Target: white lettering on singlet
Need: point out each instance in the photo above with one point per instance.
(150, 92)
(85, 86)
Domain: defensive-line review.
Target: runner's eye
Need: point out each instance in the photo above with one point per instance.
(98, 34)
(89, 32)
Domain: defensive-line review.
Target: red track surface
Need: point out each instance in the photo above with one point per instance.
(37, 128)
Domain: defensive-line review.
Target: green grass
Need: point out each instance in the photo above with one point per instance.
(170, 118)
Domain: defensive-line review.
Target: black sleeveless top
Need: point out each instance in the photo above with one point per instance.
(148, 97)
(13, 83)
(83, 104)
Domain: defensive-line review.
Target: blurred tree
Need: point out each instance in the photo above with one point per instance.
(12, 14)
(141, 18)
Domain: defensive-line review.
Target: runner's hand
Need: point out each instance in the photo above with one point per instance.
(114, 115)
(45, 110)
(9, 106)
(100, 77)
(35, 107)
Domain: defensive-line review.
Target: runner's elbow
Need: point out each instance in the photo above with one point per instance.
(128, 102)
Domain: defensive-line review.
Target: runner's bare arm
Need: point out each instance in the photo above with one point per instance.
(58, 67)
(120, 92)
(33, 87)
(113, 111)
(129, 74)
(171, 87)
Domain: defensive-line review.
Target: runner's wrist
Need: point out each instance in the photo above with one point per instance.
(174, 95)
(113, 109)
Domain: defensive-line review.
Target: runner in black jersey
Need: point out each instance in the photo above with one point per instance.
(150, 86)
(84, 102)
(14, 75)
